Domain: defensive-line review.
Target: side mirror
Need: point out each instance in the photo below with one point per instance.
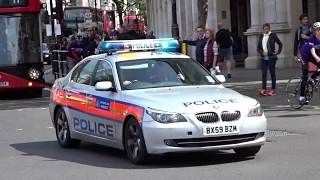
(104, 86)
(221, 78)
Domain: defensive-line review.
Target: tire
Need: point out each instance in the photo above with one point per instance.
(134, 141)
(247, 152)
(294, 93)
(63, 132)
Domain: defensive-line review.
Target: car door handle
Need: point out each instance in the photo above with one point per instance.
(69, 94)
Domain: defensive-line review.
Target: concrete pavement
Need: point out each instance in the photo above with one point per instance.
(29, 151)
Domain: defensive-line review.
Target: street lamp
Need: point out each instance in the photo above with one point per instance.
(174, 26)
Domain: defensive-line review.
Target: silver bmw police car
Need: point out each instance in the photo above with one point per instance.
(140, 97)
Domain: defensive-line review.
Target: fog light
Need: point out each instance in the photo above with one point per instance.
(167, 142)
(30, 84)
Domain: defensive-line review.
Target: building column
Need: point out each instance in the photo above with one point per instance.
(280, 26)
(212, 17)
(253, 59)
(149, 15)
(158, 18)
(255, 10)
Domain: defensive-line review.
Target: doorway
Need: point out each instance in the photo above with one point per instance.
(240, 22)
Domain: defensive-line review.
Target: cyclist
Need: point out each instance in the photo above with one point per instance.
(309, 54)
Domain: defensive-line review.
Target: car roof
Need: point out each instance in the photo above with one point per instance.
(125, 56)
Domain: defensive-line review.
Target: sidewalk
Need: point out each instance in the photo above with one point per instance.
(239, 75)
(249, 75)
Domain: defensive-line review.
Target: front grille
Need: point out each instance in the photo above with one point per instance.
(214, 141)
(230, 116)
(209, 117)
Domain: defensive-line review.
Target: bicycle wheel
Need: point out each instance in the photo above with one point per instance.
(293, 92)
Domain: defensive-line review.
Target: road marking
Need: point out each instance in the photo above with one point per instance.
(19, 129)
(47, 89)
(47, 71)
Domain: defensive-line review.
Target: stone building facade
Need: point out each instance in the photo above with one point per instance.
(282, 15)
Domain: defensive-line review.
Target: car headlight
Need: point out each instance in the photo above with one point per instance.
(255, 111)
(165, 117)
(46, 55)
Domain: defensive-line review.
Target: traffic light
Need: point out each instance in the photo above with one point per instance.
(57, 12)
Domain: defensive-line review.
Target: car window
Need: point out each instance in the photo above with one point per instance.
(76, 71)
(156, 73)
(104, 73)
(86, 73)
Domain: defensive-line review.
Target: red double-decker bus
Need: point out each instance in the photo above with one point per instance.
(109, 20)
(136, 22)
(76, 15)
(21, 64)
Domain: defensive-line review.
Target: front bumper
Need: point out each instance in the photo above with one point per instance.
(188, 136)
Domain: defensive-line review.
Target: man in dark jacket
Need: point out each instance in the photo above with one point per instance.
(200, 42)
(225, 42)
(302, 35)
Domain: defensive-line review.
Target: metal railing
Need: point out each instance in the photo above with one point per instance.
(59, 63)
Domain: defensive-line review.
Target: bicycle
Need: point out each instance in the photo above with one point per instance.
(310, 88)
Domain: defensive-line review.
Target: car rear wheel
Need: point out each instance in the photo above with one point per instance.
(63, 131)
(249, 151)
(134, 143)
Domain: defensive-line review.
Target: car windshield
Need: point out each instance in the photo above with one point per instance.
(157, 73)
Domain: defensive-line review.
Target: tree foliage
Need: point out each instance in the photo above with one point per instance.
(202, 12)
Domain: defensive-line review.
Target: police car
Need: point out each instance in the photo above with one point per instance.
(141, 97)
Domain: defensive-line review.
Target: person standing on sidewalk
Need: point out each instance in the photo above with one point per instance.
(211, 51)
(302, 34)
(267, 49)
(200, 42)
(225, 42)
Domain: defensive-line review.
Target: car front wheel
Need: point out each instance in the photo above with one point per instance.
(63, 132)
(248, 151)
(134, 143)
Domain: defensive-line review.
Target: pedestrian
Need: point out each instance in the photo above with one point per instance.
(200, 42)
(267, 49)
(93, 44)
(225, 42)
(151, 35)
(114, 35)
(106, 36)
(302, 34)
(75, 52)
(210, 51)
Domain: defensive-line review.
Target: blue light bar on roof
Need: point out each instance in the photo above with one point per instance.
(138, 45)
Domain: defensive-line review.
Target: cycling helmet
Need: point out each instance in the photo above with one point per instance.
(316, 25)
(79, 37)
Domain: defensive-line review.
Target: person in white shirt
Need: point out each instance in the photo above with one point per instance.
(267, 50)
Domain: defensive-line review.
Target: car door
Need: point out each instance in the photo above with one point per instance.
(101, 104)
(76, 95)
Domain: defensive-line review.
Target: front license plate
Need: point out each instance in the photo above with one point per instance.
(4, 83)
(221, 130)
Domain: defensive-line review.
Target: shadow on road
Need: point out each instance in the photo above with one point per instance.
(101, 156)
